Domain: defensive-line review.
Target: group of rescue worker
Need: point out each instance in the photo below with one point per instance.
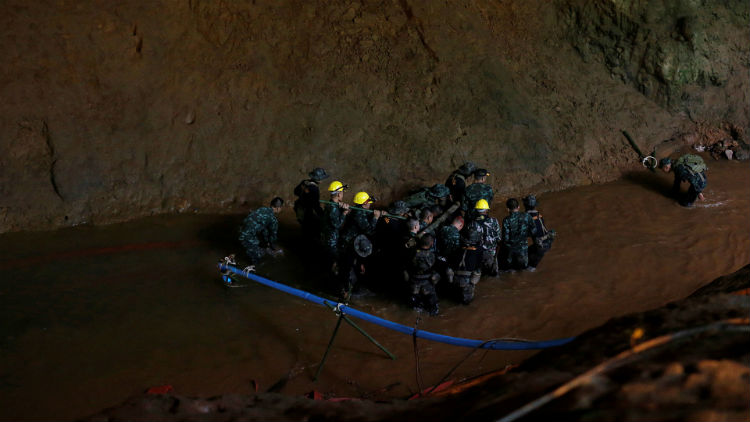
(443, 232)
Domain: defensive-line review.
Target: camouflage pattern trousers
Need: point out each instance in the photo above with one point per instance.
(516, 258)
(253, 249)
(423, 293)
(466, 282)
(489, 263)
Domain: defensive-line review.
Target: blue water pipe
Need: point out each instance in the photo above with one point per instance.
(440, 338)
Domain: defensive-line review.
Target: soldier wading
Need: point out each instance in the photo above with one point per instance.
(688, 168)
(517, 228)
(259, 231)
(307, 206)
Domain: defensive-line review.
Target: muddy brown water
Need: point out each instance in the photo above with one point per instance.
(92, 315)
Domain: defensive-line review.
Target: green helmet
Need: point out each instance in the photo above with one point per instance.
(398, 208)
(467, 168)
(529, 201)
(318, 174)
(439, 191)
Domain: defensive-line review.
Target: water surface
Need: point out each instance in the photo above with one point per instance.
(92, 315)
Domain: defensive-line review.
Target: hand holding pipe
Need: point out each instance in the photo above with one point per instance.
(365, 209)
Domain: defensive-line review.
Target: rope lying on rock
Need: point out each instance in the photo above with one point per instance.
(440, 338)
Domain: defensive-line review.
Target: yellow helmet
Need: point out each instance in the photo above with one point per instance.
(482, 205)
(335, 187)
(361, 198)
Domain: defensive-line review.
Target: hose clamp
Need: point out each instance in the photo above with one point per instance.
(649, 162)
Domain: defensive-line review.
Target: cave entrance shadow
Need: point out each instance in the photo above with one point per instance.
(650, 181)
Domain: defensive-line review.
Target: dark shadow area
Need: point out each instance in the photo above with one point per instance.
(650, 181)
(223, 233)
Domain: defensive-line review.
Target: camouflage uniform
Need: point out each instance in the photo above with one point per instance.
(420, 199)
(490, 228)
(356, 223)
(427, 197)
(333, 219)
(517, 228)
(259, 229)
(475, 192)
(683, 172)
(542, 240)
(465, 267)
(352, 263)
(422, 278)
(307, 206)
(448, 241)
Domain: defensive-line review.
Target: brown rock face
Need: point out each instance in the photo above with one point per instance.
(116, 110)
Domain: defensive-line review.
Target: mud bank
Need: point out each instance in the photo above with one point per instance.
(115, 111)
(689, 360)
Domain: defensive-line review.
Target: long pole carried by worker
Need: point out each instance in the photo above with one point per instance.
(364, 209)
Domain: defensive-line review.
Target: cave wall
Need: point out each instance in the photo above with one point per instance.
(113, 111)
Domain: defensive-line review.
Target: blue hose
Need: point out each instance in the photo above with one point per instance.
(456, 341)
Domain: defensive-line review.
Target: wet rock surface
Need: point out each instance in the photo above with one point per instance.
(688, 360)
(115, 111)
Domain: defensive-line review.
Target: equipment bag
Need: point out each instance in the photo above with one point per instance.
(693, 163)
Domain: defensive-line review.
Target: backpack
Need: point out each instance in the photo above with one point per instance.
(693, 163)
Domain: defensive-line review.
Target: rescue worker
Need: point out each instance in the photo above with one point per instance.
(449, 238)
(307, 206)
(260, 230)
(465, 267)
(490, 229)
(427, 197)
(456, 182)
(359, 221)
(689, 168)
(425, 218)
(436, 211)
(441, 196)
(353, 264)
(477, 190)
(448, 244)
(517, 228)
(409, 238)
(542, 242)
(422, 277)
(333, 218)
